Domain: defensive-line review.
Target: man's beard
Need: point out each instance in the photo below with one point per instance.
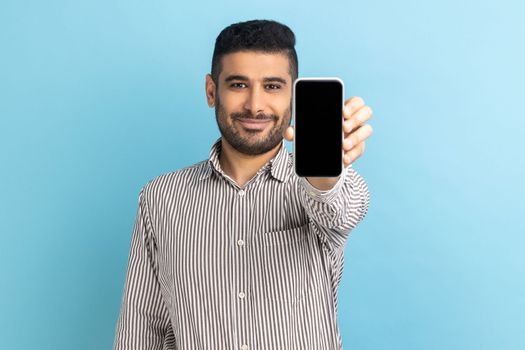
(251, 145)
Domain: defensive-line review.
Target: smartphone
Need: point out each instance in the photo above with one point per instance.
(317, 112)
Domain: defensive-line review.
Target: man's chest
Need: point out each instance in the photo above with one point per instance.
(258, 245)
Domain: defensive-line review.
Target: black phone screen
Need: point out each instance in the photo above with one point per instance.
(318, 126)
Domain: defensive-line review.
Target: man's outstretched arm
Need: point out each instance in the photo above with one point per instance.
(335, 205)
(335, 212)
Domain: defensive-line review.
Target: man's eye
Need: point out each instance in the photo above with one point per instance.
(236, 85)
(274, 86)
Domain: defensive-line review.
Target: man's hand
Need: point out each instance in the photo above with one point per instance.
(355, 113)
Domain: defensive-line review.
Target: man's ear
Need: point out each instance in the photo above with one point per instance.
(210, 91)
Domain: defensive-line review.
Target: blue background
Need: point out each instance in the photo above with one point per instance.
(98, 97)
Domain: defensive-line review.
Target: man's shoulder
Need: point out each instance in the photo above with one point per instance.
(173, 181)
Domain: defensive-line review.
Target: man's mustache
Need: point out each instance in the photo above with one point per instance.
(248, 115)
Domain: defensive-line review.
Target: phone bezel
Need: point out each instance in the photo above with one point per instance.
(332, 79)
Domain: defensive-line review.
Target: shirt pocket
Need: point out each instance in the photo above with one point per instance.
(284, 264)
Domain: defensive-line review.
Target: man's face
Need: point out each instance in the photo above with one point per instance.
(253, 100)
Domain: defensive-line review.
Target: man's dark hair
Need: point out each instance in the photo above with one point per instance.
(265, 36)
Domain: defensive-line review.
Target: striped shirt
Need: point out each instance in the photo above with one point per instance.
(213, 265)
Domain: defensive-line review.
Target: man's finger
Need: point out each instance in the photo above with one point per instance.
(352, 155)
(351, 105)
(289, 133)
(358, 118)
(356, 137)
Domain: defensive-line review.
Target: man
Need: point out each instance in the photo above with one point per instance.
(237, 251)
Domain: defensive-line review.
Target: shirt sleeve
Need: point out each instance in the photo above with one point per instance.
(144, 321)
(335, 212)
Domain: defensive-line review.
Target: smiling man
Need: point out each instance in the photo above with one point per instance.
(237, 251)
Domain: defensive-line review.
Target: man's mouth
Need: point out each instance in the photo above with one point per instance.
(254, 124)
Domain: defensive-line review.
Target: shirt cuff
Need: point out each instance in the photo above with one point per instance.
(324, 196)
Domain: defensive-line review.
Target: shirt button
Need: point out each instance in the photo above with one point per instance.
(241, 193)
(244, 347)
(241, 295)
(240, 242)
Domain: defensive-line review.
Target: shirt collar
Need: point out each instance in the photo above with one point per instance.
(279, 165)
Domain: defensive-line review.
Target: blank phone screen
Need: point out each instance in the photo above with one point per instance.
(318, 127)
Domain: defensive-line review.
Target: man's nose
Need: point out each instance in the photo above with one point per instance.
(255, 101)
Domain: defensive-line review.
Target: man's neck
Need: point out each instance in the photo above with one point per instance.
(242, 167)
